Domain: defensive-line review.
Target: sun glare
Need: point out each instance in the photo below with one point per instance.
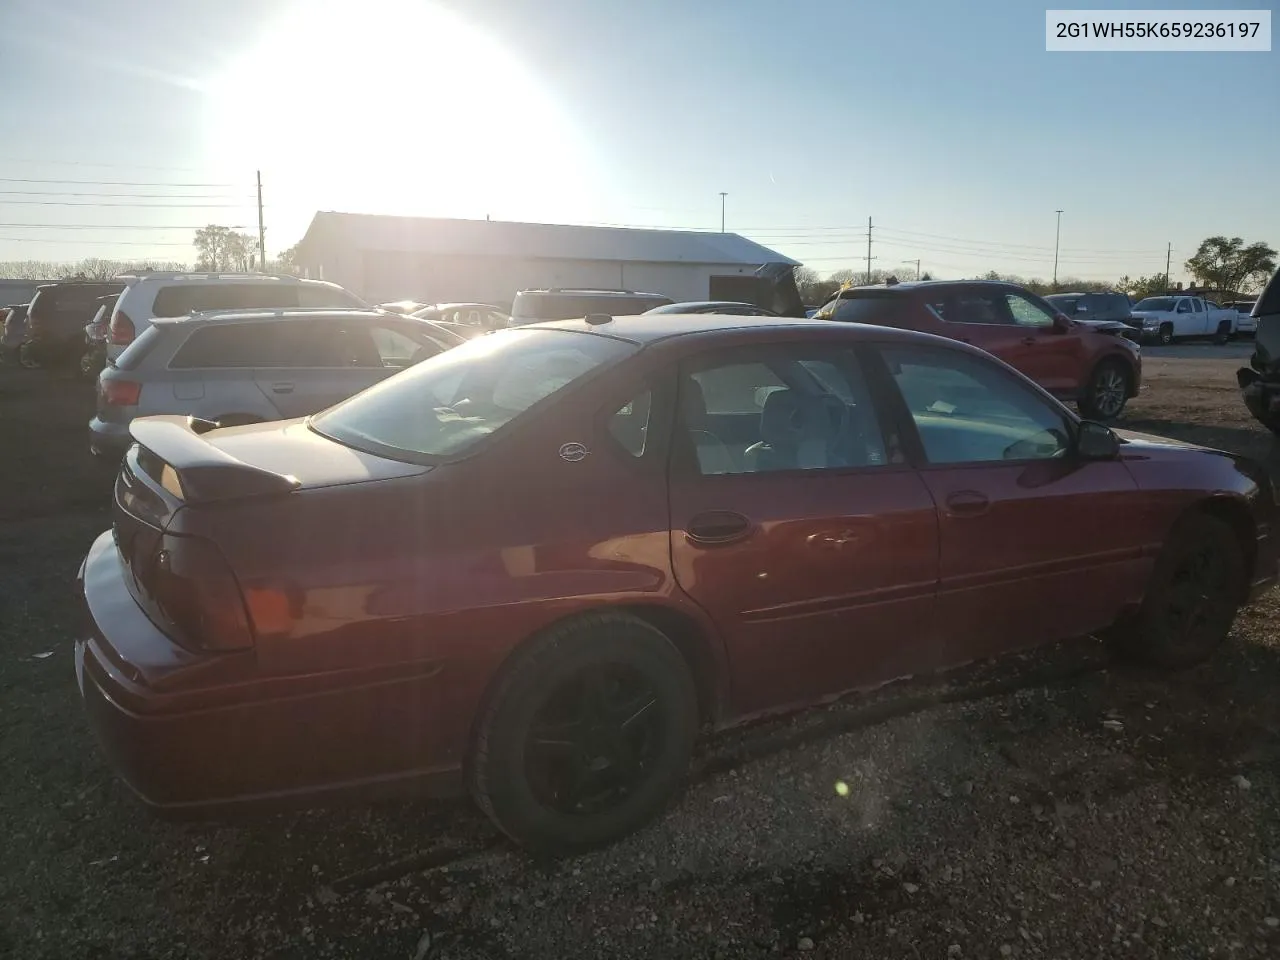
(395, 106)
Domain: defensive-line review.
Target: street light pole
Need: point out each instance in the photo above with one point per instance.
(1056, 237)
(723, 194)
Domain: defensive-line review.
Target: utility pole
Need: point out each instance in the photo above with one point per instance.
(723, 194)
(1168, 254)
(868, 251)
(1056, 237)
(262, 231)
(917, 263)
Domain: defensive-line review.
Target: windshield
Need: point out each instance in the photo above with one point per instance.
(1160, 304)
(450, 403)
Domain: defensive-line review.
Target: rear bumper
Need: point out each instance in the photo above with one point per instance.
(108, 439)
(198, 735)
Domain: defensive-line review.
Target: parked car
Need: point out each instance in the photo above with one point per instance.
(406, 307)
(154, 294)
(1167, 319)
(251, 366)
(539, 563)
(14, 331)
(1244, 322)
(1093, 368)
(531, 306)
(56, 319)
(1093, 305)
(96, 332)
(729, 307)
(1260, 381)
(477, 316)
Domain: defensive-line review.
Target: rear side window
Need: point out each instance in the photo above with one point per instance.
(182, 299)
(1269, 302)
(271, 344)
(861, 309)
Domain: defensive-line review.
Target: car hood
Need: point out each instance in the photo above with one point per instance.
(291, 448)
(1146, 444)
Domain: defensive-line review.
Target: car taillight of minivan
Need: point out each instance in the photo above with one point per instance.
(122, 329)
(121, 393)
(196, 590)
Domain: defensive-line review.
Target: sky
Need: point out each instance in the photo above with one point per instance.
(130, 123)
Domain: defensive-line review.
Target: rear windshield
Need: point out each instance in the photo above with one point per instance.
(450, 403)
(72, 296)
(1162, 304)
(137, 351)
(864, 308)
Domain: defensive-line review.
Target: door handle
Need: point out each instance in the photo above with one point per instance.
(967, 503)
(716, 527)
(282, 386)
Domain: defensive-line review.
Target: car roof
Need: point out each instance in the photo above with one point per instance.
(652, 327)
(258, 314)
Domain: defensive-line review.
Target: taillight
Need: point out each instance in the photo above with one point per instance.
(198, 593)
(120, 393)
(121, 328)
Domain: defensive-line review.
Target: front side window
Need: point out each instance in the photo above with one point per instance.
(784, 411)
(968, 411)
(453, 401)
(1028, 314)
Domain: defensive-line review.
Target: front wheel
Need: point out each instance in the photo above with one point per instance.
(586, 735)
(1106, 392)
(1166, 334)
(1196, 588)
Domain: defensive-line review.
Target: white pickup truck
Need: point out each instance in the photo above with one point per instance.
(1165, 319)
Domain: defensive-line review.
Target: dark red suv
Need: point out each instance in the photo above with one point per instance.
(1096, 369)
(540, 562)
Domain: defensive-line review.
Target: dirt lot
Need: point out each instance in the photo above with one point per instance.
(1054, 805)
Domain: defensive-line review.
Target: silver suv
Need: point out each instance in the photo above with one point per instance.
(247, 366)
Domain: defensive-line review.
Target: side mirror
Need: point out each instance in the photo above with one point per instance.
(1060, 323)
(1096, 442)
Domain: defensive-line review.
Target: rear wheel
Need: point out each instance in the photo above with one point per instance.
(1224, 333)
(1196, 588)
(1106, 392)
(1166, 334)
(586, 734)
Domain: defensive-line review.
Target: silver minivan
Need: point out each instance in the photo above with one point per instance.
(248, 366)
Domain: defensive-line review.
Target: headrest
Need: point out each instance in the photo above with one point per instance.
(791, 418)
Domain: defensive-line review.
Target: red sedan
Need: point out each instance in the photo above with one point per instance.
(539, 563)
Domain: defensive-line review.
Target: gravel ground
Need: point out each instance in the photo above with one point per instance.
(1049, 805)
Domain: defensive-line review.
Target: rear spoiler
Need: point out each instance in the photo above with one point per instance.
(205, 473)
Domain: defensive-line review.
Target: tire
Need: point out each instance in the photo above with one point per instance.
(538, 790)
(1181, 623)
(1165, 336)
(1106, 392)
(1224, 333)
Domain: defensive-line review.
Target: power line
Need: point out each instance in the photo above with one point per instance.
(153, 206)
(114, 226)
(126, 196)
(115, 183)
(112, 243)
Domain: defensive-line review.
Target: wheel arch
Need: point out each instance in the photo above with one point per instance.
(1239, 518)
(694, 639)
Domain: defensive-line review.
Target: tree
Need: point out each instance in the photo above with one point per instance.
(1141, 287)
(223, 249)
(89, 269)
(1227, 264)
